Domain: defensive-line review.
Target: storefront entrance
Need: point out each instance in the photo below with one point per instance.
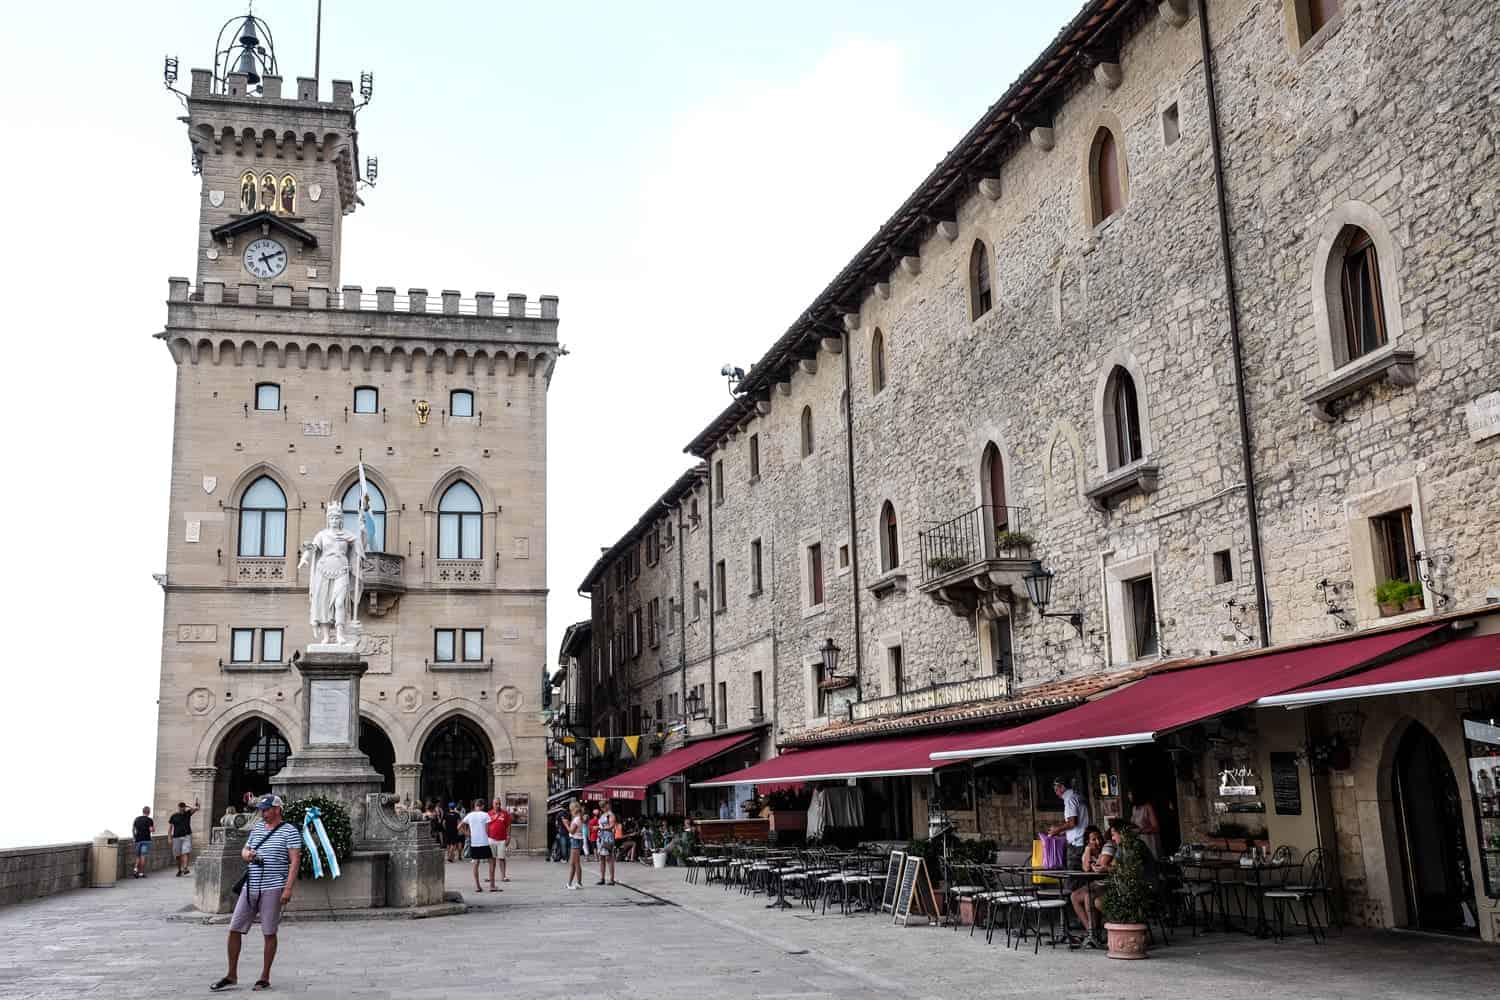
(1430, 831)
(456, 762)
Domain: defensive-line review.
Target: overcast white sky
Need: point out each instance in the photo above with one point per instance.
(685, 176)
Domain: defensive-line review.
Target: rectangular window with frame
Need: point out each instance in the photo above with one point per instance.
(723, 705)
(815, 574)
(267, 396)
(653, 545)
(1364, 310)
(896, 666)
(660, 720)
(1001, 654)
(1395, 545)
(822, 695)
(366, 399)
(635, 632)
(843, 557)
(754, 457)
(697, 600)
(443, 645)
(242, 645)
(757, 697)
(1223, 567)
(721, 586)
(473, 645)
(719, 481)
(270, 645)
(755, 569)
(460, 403)
(671, 615)
(653, 623)
(1141, 597)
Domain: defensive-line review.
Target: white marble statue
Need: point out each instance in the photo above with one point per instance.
(334, 584)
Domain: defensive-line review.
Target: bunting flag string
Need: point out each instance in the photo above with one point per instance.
(599, 742)
(633, 744)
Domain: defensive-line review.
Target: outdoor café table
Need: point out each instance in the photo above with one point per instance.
(1064, 876)
(1254, 879)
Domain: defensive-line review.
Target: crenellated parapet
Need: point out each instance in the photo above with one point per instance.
(243, 325)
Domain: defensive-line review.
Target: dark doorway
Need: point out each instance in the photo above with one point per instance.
(1430, 835)
(456, 762)
(249, 757)
(374, 744)
(1149, 773)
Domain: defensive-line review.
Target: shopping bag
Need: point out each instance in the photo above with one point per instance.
(1039, 860)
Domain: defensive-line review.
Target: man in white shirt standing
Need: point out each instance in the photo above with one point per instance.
(476, 827)
(1075, 821)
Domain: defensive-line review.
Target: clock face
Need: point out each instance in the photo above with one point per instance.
(265, 258)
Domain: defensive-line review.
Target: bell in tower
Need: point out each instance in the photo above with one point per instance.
(240, 51)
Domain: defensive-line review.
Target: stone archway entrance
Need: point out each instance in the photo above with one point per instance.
(376, 745)
(457, 762)
(1430, 836)
(248, 758)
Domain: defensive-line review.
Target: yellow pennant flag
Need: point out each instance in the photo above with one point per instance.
(568, 741)
(633, 744)
(599, 742)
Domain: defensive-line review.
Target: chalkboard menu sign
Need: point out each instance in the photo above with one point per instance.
(1286, 784)
(915, 896)
(892, 881)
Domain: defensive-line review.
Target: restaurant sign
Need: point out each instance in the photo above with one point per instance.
(1237, 781)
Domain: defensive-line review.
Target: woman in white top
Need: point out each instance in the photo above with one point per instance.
(578, 832)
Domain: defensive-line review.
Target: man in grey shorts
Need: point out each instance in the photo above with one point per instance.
(272, 851)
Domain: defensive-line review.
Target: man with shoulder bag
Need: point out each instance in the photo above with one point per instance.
(272, 852)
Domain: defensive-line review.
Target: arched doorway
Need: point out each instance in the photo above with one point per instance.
(376, 745)
(1430, 836)
(456, 762)
(249, 757)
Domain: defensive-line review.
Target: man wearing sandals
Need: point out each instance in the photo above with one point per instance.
(272, 852)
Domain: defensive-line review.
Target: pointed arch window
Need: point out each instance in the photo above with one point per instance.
(807, 431)
(460, 524)
(1360, 299)
(980, 296)
(1106, 176)
(877, 363)
(263, 520)
(1122, 419)
(890, 538)
(375, 516)
(994, 488)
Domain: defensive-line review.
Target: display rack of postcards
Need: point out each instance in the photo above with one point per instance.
(1482, 748)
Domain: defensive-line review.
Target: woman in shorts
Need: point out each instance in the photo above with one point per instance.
(577, 830)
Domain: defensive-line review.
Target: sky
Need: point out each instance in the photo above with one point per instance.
(686, 177)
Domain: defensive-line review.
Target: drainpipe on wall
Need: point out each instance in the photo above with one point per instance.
(859, 655)
(713, 611)
(681, 619)
(1262, 606)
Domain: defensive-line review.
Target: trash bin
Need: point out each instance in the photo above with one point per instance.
(104, 862)
(658, 859)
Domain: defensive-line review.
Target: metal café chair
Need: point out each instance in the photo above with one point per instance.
(1054, 907)
(1305, 883)
(1199, 893)
(960, 882)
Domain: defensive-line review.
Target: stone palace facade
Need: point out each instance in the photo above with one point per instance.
(286, 382)
(1216, 354)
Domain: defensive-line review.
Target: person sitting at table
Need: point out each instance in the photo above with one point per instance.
(1093, 846)
(1118, 828)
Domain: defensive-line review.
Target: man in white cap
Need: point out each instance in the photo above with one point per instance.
(272, 852)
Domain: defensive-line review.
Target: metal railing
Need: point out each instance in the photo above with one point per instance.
(986, 532)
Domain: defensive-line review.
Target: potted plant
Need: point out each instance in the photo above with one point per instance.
(946, 564)
(1127, 897)
(1011, 541)
(1397, 596)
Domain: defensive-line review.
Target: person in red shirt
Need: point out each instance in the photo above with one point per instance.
(594, 832)
(499, 832)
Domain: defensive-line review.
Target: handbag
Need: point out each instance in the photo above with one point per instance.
(244, 879)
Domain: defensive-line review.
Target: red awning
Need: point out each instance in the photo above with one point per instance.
(1460, 663)
(862, 759)
(632, 784)
(1167, 701)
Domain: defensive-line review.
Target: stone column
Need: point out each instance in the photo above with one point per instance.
(203, 791)
(503, 770)
(409, 783)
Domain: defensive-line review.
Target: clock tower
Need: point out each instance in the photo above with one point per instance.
(279, 172)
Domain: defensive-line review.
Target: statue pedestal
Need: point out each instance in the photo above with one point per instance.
(396, 866)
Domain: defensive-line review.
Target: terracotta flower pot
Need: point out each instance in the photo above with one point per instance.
(1413, 604)
(1126, 940)
(1386, 610)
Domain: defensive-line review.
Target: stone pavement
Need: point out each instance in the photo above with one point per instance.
(657, 937)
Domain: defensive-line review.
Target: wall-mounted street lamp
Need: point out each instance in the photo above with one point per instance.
(733, 375)
(694, 705)
(1039, 589)
(830, 653)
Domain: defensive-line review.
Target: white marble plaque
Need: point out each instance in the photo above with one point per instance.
(1483, 415)
(194, 531)
(328, 712)
(317, 428)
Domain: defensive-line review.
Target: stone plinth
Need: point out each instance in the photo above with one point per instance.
(330, 764)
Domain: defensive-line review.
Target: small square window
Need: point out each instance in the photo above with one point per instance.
(241, 645)
(1171, 129)
(473, 645)
(843, 556)
(460, 403)
(1141, 599)
(366, 399)
(268, 396)
(442, 645)
(270, 645)
(1223, 566)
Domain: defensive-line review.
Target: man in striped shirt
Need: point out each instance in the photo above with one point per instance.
(273, 850)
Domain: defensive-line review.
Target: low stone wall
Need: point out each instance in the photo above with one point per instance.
(34, 872)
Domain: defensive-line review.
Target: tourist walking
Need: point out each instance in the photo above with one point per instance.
(140, 832)
(272, 852)
(578, 832)
(499, 831)
(476, 828)
(434, 816)
(604, 837)
(180, 827)
(452, 839)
